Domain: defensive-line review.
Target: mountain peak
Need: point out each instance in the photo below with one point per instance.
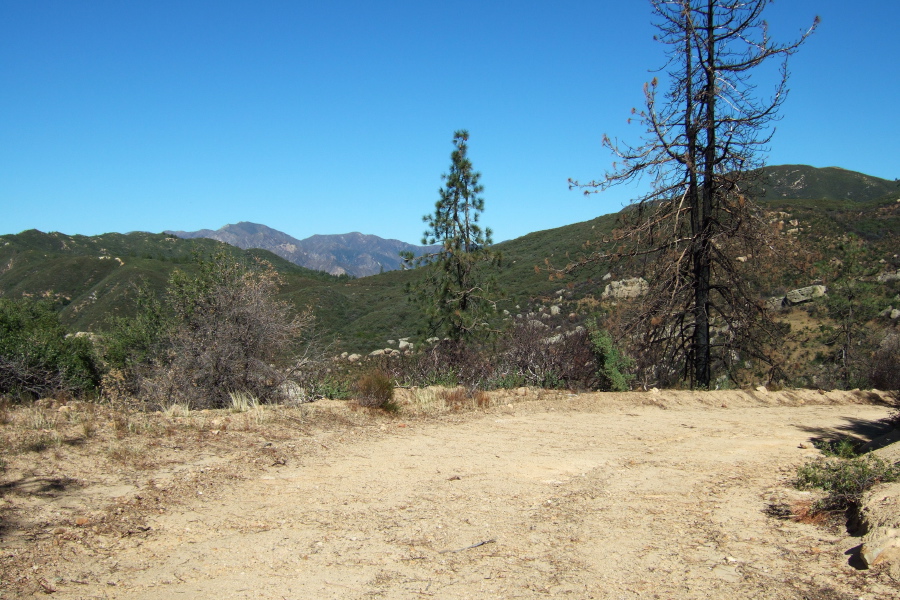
(353, 253)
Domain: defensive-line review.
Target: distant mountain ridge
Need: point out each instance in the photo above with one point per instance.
(353, 253)
(797, 182)
(91, 279)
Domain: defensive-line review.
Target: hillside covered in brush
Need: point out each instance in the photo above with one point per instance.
(816, 212)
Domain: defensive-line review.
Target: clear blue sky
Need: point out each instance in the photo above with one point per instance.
(337, 116)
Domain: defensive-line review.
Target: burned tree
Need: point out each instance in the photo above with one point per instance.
(705, 132)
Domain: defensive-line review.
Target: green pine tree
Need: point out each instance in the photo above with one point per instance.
(456, 290)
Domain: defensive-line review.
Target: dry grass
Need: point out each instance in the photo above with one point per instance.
(433, 401)
(243, 401)
(129, 455)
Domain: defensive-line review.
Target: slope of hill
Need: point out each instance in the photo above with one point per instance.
(90, 277)
(830, 183)
(352, 254)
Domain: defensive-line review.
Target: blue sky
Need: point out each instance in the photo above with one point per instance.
(330, 117)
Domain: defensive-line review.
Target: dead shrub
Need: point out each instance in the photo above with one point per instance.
(375, 389)
(456, 399)
(532, 353)
(218, 330)
(129, 455)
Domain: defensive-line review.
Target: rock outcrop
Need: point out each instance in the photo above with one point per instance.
(805, 294)
(888, 276)
(880, 513)
(626, 288)
(798, 296)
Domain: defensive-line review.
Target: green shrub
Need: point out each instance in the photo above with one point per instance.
(509, 381)
(139, 339)
(375, 390)
(612, 365)
(842, 448)
(333, 387)
(37, 358)
(845, 480)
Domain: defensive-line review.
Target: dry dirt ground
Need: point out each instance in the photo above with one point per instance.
(637, 495)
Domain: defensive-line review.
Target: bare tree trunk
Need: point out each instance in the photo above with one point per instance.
(702, 251)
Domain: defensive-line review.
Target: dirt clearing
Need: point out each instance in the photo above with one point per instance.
(639, 495)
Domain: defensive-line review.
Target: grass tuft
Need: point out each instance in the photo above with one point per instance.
(241, 402)
(177, 410)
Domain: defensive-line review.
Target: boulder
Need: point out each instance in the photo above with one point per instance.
(805, 294)
(888, 276)
(554, 310)
(405, 345)
(776, 302)
(880, 512)
(294, 393)
(626, 288)
(353, 358)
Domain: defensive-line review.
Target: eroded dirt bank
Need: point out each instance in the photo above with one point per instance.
(592, 496)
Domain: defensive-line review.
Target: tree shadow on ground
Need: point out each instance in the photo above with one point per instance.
(44, 487)
(48, 487)
(857, 431)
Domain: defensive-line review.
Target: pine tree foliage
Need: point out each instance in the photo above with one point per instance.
(455, 291)
(705, 131)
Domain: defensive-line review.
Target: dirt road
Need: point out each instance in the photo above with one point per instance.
(590, 496)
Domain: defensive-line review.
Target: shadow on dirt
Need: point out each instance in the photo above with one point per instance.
(855, 559)
(48, 487)
(857, 431)
(44, 487)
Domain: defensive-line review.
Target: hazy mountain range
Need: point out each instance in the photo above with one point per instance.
(353, 254)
